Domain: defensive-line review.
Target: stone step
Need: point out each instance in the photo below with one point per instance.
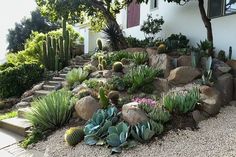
(21, 113)
(28, 99)
(54, 83)
(40, 93)
(63, 75)
(58, 79)
(16, 125)
(49, 87)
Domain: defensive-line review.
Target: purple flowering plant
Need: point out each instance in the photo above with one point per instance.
(147, 101)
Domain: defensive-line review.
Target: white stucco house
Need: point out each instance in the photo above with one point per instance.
(184, 19)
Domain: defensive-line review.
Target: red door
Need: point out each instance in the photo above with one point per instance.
(133, 14)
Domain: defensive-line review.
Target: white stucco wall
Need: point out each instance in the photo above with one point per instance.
(186, 20)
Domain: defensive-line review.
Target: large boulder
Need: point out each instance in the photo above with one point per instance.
(219, 67)
(86, 107)
(184, 61)
(232, 64)
(161, 61)
(161, 85)
(183, 75)
(225, 85)
(135, 49)
(211, 100)
(132, 114)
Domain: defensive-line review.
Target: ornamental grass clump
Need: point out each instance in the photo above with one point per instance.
(52, 111)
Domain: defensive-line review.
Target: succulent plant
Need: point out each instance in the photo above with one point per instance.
(145, 107)
(161, 48)
(96, 128)
(90, 68)
(104, 64)
(168, 102)
(159, 115)
(104, 101)
(74, 135)
(99, 44)
(142, 132)
(221, 56)
(76, 76)
(114, 96)
(117, 67)
(158, 128)
(117, 137)
(140, 58)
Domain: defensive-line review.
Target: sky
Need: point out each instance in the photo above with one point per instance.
(12, 11)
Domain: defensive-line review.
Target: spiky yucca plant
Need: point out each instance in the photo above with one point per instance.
(52, 111)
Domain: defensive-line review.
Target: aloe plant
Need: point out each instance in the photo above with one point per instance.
(140, 58)
(207, 75)
(159, 115)
(142, 132)
(97, 127)
(76, 76)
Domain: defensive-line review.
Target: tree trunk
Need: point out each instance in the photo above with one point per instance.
(110, 19)
(207, 23)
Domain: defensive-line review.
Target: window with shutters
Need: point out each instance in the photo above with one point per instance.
(217, 8)
(133, 14)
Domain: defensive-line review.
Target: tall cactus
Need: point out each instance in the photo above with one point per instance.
(56, 52)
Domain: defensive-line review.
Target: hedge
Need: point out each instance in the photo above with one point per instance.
(15, 80)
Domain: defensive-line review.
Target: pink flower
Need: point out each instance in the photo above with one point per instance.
(147, 101)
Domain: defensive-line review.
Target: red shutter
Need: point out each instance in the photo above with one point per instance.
(133, 14)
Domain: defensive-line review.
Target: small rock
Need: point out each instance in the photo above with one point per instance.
(211, 100)
(161, 85)
(184, 61)
(152, 50)
(225, 85)
(38, 86)
(94, 62)
(232, 64)
(232, 103)
(199, 116)
(219, 67)
(78, 88)
(96, 74)
(22, 104)
(183, 75)
(107, 73)
(132, 114)
(28, 99)
(86, 107)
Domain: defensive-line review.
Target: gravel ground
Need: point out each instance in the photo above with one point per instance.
(216, 137)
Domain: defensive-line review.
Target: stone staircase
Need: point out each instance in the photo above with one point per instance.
(19, 124)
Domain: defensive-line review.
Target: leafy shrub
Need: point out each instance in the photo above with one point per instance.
(139, 76)
(52, 111)
(15, 80)
(93, 83)
(176, 41)
(142, 132)
(152, 26)
(134, 42)
(76, 76)
(182, 103)
(74, 135)
(140, 58)
(33, 137)
(8, 115)
(97, 127)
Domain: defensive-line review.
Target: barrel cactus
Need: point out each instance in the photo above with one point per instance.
(117, 67)
(74, 135)
(161, 48)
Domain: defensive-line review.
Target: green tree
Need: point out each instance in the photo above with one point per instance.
(17, 36)
(99, 13)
